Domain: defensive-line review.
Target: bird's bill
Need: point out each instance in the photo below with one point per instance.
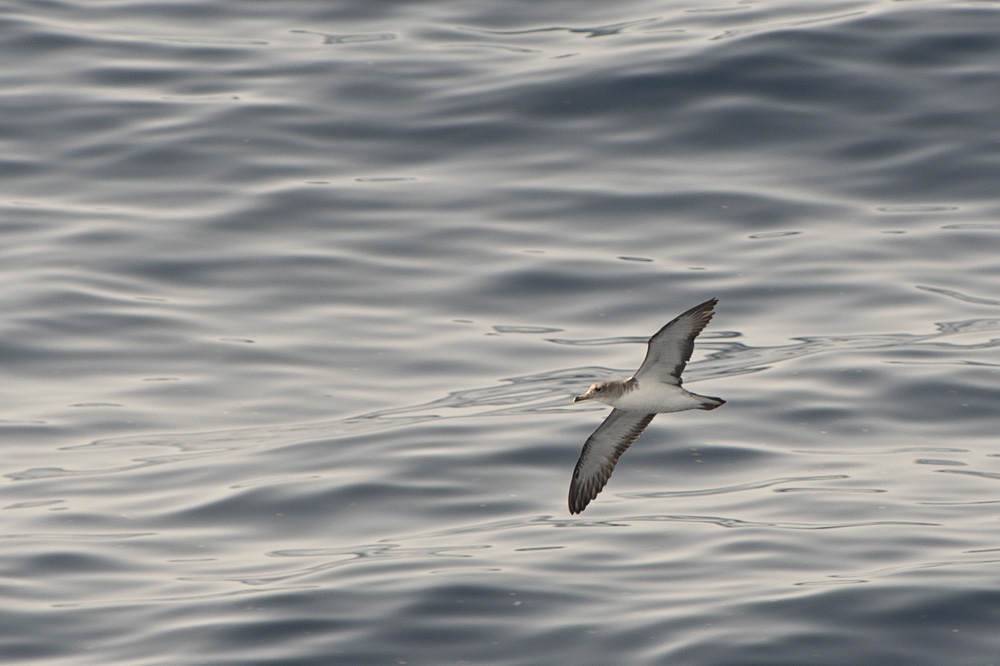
(580, 398)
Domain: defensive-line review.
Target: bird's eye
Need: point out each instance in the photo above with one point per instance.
(598, 389)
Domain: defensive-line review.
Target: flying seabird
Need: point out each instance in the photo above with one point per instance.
(655, 388)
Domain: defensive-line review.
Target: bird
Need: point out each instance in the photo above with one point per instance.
(655, 388)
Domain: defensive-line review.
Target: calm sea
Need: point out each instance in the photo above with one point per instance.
(296, 296)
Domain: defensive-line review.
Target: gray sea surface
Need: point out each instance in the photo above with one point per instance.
(297, 296)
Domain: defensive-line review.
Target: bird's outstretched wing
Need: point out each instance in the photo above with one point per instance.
(670, 349)
(600, 454)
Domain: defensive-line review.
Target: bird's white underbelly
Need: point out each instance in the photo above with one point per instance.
(657, 398)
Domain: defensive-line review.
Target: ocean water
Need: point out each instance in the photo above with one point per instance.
(297, 296)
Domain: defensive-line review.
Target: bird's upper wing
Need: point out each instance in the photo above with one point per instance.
(600, 454)
(670, 349)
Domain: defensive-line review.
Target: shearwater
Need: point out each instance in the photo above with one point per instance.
(655, 388)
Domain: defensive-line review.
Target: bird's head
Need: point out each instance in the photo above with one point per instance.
(605, 392)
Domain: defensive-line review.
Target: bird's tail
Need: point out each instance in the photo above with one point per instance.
(708, 402)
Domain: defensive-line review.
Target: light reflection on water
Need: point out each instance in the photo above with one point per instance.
(553, 391)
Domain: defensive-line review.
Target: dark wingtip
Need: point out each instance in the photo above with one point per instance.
(704, 309)
(577, 503)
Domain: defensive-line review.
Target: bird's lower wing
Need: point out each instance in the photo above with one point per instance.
(601, 453)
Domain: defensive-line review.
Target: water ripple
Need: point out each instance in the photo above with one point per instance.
(545, 392)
